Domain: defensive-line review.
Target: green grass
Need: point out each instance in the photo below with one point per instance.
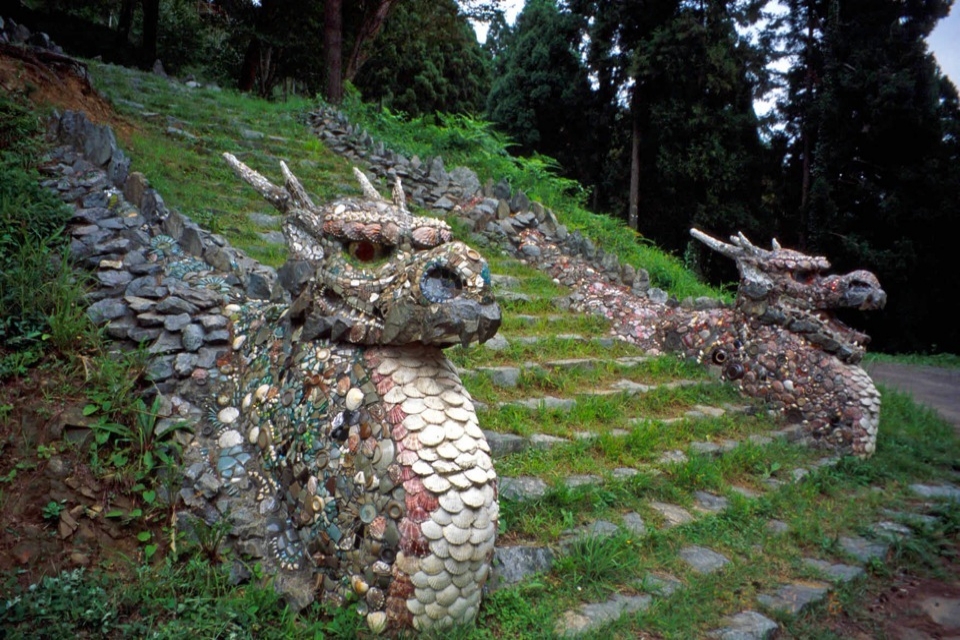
(945, 360)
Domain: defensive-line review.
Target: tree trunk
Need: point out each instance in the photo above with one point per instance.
(372, 22)
(251, 64)
(151, 23)
(633, 215)
(333, 49)
(805, 132)
(125, 21)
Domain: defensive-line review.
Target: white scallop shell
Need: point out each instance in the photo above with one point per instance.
(440, 581)
(448, 595)
(404, 375)
(458, 608)
(407, 457)
(434, 402)
(428, 454)
(476, 475)
(473, 430)
(428, 386)
(432, 435)
(455, 430)
(416, 607)
(422, 468)
(481, 573)
(431, 530)
(463, 579)
(464, 518)
(435, 483)
(394, 396)
(482, 520)
(452, 502)
(411, 362)
(387, 367)
(445, 467)
(377, 622)
(228, 415)
(441, 517)
(436, 611)
(483, 445)
(354, 399)
(462, 552)
(456, 535)
(481, 534)
(431, 566)
(472, 497)
(419, 580)
(433, 416)
(412, 391)
(480, 551)
(457, 568)
(459, 414)
(440, 548)
(448, 450)
(483, 461)
(459, 480)
(452, 398)
(466, 443)
(414, 423)
(412, 406)
(426, 595)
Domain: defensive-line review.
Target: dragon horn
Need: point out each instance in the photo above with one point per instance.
(273, 194)
(368, 191)
(732, 251)
(399, 198)
(295, 188)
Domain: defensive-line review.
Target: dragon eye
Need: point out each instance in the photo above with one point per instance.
(366, 251)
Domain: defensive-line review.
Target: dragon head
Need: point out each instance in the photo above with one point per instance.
(789, 288)
(381, 275)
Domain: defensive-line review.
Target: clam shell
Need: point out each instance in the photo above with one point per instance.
(414, 606)
(409, 529)
(440, 581)
(359, 585)
(448, 595)
(414, 422)
(376, 598)
(482, 519)
(435, 483)
(436, 611)
(464, 578)
(429, 455)
(445, 467)
(484, 446)
(455, 535)
(452, 502)
(473, 430)
(455, 430)
(407, 457)
(432, 435)
(411, 442)
(466, 460)
(377, 622)
(407, 564)
(354, 399)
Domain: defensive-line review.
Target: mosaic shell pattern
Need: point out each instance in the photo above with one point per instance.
(365, 462)
(780, 342)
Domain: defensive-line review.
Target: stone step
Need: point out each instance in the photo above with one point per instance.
(508, 376)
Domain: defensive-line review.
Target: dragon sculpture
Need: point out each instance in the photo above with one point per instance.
(780, 342)
(342, 424)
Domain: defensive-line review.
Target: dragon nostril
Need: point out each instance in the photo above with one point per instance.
(440, 284)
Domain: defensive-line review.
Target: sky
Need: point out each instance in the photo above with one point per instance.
(944, 42)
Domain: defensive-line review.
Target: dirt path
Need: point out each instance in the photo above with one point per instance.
(937, 387)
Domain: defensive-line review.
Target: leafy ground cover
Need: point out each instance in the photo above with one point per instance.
(136, 574)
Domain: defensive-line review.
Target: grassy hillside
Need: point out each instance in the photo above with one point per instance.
(607, 435)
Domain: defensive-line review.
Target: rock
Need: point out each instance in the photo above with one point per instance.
(937, 491)
(502, 377)
(672, 514)
(522, 488)
(102, 311)
(502, 444)
(746, 625)
(710, 502)
(513, 564)
(944, 611)
(634, 524)
(703, 560)
(792, 598)
(862, 549)
(836, 572)
(192, 337)
(591, 616)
